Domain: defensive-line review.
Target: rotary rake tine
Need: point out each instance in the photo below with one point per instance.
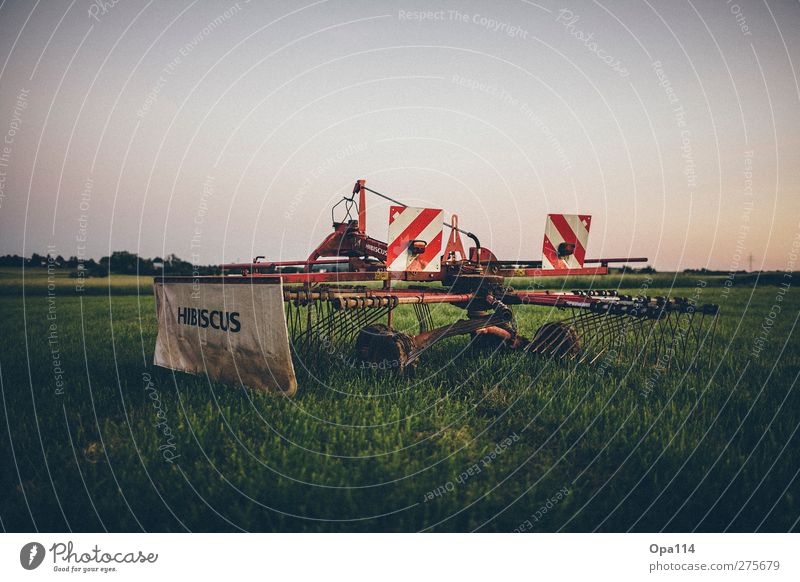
(591, 327)
(547, 342)
(684, 339)
(424, 317)
(650, 331)
(603, 338)
(647, 331)
(712, 333)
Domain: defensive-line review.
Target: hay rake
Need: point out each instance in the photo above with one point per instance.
(340, 302)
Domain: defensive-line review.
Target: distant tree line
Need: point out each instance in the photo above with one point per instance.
(119, 263)
(648, 270)
(705, 271)
(126, 263)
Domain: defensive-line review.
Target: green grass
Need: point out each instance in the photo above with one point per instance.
(35, 282)
(359, 451)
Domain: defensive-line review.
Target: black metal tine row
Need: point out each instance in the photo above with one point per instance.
(424, 317)
(657, 332)
(671, 333)
(317, 327)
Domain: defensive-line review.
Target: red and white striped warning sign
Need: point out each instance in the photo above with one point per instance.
(565, 240)
(415, 239)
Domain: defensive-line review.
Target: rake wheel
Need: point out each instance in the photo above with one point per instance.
(555, 338)
(380, 348)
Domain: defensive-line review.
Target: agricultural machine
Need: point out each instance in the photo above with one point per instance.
(246, 324)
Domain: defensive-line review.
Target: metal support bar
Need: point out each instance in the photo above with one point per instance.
(359, 186)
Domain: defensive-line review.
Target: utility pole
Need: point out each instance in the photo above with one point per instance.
(750, 260)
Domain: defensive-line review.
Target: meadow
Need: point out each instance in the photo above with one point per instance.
(98, 439)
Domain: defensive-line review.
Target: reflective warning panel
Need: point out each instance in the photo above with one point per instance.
(415, 239)
(565, 240)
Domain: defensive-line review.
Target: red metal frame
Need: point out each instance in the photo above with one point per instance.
(365, 256)
(475, 283)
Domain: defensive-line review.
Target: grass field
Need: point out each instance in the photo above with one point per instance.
(99, 439)
(35, 282)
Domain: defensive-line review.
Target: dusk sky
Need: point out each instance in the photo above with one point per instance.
(219, 131)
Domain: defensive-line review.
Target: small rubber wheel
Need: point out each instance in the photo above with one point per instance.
(380, 348)
(555, 338)
(488, 342)
(485, 342)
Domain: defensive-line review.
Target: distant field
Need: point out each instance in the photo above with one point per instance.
(34, 281)
(712, 450)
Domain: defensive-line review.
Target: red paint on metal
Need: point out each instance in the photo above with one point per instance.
(617, 260)
(265, 264)
(412, 231)
(454, 245)
(552, 272)
(546, 298)
(362, 207)
(569, 236)
(551, 254)
(431, 252)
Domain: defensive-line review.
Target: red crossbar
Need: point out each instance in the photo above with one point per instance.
(546, 298)
(526, 272)
(267, 264)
